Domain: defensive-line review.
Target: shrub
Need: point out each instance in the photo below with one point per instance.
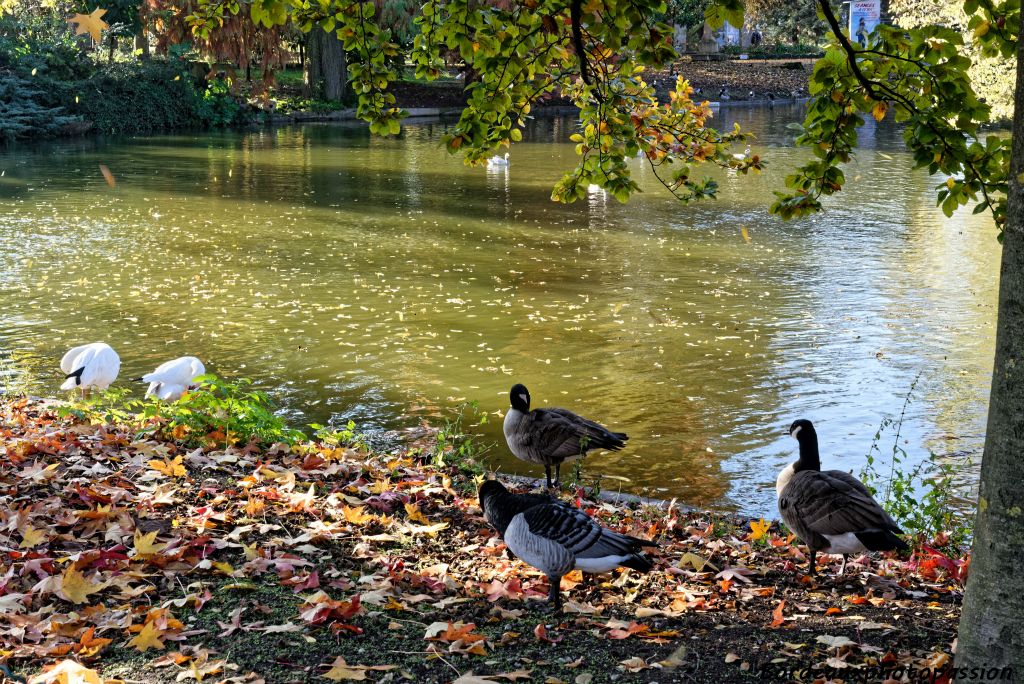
(26, 113)
(924, 500)
(218, 412)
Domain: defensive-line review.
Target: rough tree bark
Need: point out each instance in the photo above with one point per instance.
(992, 626)
(326, 73)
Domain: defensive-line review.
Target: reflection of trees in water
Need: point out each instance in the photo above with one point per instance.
(355, 277)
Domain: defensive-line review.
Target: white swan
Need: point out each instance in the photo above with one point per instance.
(90, 365)
(745, 155)
(171, 380)
(498, 161)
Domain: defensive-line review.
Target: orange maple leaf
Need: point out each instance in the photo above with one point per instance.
(777, 617)
(356, 515)
(175, 468)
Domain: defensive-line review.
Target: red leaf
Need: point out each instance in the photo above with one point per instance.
(541, 632)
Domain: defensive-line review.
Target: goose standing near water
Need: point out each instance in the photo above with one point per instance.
(498, 161)
(831, 511)
(90, 365)
(550, 436)
(555, 537)
(172, 379)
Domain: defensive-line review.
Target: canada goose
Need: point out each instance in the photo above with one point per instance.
(498, 161)
(550, 436)
(831, 511)
(555, 537)
(90, 365)
(170, 380)
(723, 94)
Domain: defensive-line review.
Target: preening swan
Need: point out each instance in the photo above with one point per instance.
(172, 379)
(90, 365)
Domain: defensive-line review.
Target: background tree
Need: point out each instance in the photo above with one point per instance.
(991, 76)
(224, 34)
(325, 74)
(786, 22)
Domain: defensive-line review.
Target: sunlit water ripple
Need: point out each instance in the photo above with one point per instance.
(383, 281)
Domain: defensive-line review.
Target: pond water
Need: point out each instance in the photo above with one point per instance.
(384, 281)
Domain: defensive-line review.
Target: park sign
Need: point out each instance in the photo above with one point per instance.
(864, 17)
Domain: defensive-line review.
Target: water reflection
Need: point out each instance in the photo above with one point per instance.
(382, 280)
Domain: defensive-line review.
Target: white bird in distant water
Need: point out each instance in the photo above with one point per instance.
(90, 365)
(498, 161)
(172, 379)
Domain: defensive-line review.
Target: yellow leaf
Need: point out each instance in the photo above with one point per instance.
(425, 529)
(148, 638)
(30, 537)
(92, 23)
(745, 234)
(981, 29)
(75, 588)
(415, 514)
(356, 515)
(144, 544)
(68, 672)
(174, 468)
(759, 528)
(879, 110)
(225, 568)
(341, 671)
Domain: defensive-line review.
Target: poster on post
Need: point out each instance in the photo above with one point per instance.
(864, 17)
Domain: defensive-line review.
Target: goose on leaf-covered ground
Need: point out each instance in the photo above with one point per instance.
(556, 538)
(831, 510)
(551, 436)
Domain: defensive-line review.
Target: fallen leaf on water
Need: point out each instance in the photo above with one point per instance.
(107, 175)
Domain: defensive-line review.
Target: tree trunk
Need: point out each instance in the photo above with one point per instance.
(326, 73)
(992, 626)
(142, 37)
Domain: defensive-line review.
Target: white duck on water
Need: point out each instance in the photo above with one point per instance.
(172, 379)
(551, 436)
(497, 160)
(88, 366)
(831, 510)
(555, 537)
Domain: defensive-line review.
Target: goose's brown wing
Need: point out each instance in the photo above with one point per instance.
(816, 504)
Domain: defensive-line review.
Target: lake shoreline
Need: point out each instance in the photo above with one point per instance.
(312, 560)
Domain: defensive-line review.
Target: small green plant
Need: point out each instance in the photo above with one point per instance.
(922, 500)
(106, 406)
(347, 436)
(456, 446)
(220, 411)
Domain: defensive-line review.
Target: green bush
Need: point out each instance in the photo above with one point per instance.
(48, 81)
(768, 51)
(216, 413)
(26, 113)
(924, 500)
